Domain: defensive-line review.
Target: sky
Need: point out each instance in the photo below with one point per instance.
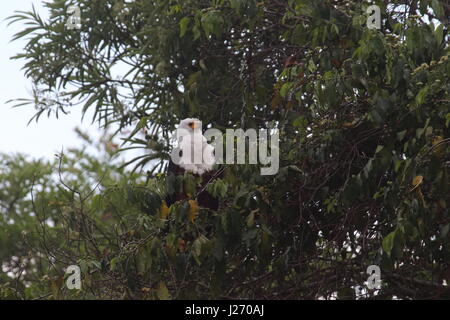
(49, 135)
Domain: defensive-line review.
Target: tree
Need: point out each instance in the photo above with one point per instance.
(364, 122)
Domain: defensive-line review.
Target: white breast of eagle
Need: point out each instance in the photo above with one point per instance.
(197, 155)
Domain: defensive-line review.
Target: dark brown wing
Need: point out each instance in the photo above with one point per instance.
(204, 198)
(173, 171)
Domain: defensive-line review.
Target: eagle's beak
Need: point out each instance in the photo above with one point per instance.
(193, 125)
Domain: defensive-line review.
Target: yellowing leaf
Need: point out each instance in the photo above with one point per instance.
(163, 210)
(162, 292)
(437, 140)
(417, 181)
(438, 149)
(170, 251)
(56, 286)
(347, 124)
(193, 210)
(290, 105)
(181, 245)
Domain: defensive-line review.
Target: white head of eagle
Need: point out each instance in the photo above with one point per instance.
(197, 156)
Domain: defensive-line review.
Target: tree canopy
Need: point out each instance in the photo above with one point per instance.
(363, 116)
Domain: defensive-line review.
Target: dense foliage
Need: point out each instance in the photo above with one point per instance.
(364, 121)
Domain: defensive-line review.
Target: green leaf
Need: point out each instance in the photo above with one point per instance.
(91, 100)
(444, 230)
(285, 89)
(189, 184)
(162, 292)
(197, 31)
(439, 33)
(184, 23)
(139, 126)
(113, 263)
(401, 135)
(97, 203)
(251, 219)
(376, 117)
(212, 23)
(236, 5)
(420, 98)
(197, 247)
(437, 8)
(388, 242)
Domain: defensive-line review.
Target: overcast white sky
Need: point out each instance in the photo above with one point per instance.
(42, 139)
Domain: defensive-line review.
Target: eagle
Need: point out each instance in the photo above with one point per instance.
(195, 156)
